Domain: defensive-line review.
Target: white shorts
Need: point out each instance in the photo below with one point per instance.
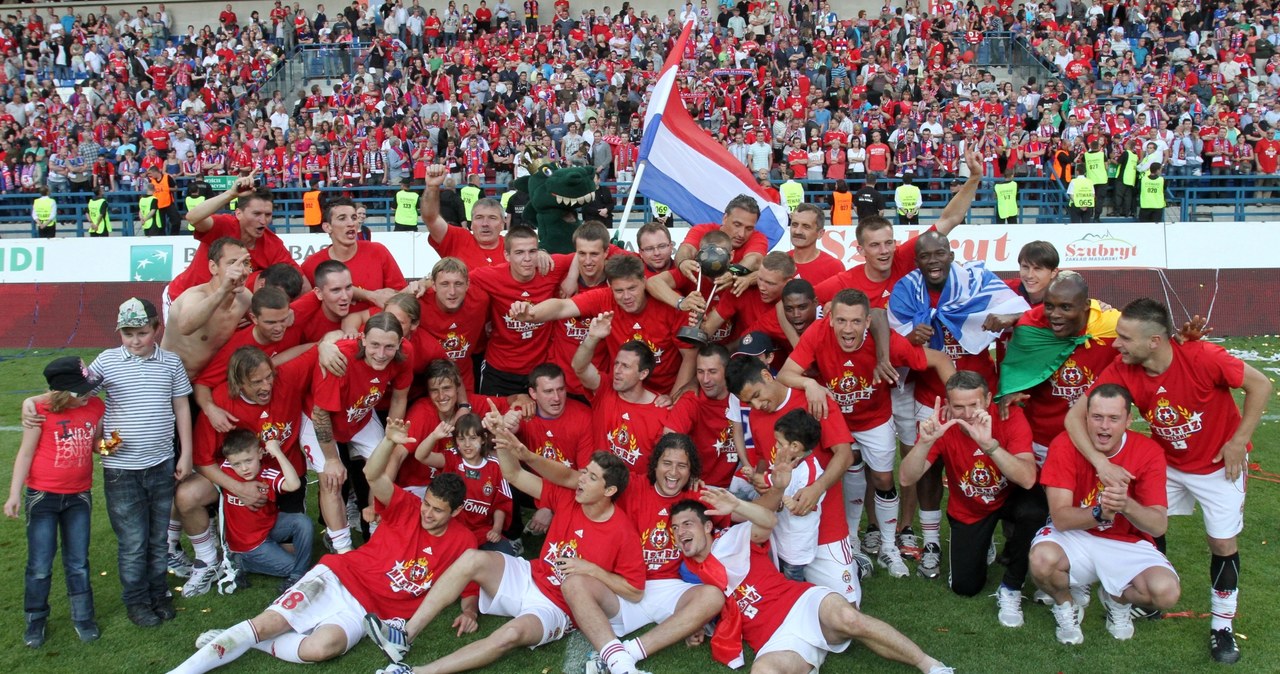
(904, 411)
(801, 632)
(165, 303)
(658, 604)
(834, 569)
(1221, 500)
(1041, 452)
(319, 598)
(1114, 564)
(518, 596)
(361, 444)
(879, 447)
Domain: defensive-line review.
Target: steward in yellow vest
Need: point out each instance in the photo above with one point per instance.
(99, 215)
(1151, 200)
(406, 214)
(1007, 201)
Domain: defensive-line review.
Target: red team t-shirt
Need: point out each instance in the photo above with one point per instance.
(613, 545)
(704, 420)
(1048, 401)
(655, 325)
(1189, 406)
(459, 332)
(390, 574)
(267, 251)
(756, 243)
(627, 430)
(372, 268)
(310, 320)
(423, 417)
(821, 268)
(832, 526)
(214, 373)
(461, 243)
(277, 420)
(1066, 468)
(978, 488)
(848, 375)
(566, 439)
(487, 493)
(248, 527)
(515, 346)
(904, 261)
(351, 399)
(63, 460)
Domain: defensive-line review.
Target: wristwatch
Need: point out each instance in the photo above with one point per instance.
(1097, 515)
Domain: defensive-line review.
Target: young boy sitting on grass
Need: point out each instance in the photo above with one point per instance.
(257, 536)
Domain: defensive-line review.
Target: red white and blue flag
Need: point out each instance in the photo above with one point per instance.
(686, 169)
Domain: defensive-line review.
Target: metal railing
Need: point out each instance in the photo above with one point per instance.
(1040, 200)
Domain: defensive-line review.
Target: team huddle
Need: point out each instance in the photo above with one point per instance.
(693, 442)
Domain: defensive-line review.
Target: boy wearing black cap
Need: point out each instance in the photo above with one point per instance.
(52, 474)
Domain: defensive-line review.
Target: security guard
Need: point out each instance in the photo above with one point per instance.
(868, 200)
(406, 215)
(99, 214)
(162, 186)
(1006, 201)
(197, 192)
(44, 212)
(312, 211)
(1151, 200)
(1095, 168)
(1082, 197)
(907, 200)
(470, 194)
(841, 205)
(149, 213)
(792, 192)
(661, 212)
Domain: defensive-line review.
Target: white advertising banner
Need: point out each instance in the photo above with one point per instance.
(1082, 246)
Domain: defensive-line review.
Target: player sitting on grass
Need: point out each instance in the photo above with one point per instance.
(320, 617)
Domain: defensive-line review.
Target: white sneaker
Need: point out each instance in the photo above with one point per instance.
(930, 561)
(179, 564)
(865, 566)
(202, 578)
(871, 542)
(1068, 630)
(1080, 598)
(1119, 619)
(942, 669)
(1009, 605)
(891, 559)
(206, 637)
(1042, 597)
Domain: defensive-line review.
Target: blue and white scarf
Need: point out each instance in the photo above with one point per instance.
(970, 294)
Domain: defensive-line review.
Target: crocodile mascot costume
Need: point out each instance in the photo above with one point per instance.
(556, 196)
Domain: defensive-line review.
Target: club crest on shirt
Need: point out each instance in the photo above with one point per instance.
(746, 597)
(982, 482)
(657, 353)
(623, 443)
(413, 576)
(951, 345)
(848, 389)
(723, 446)
(455, 345)
(1173, 423)
(276, 430)
(657, 546)
(555, 551)
(1070, 381)
(549, 450)
(360, 409)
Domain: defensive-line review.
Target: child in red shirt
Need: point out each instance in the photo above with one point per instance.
(487, 507)
(55, 465)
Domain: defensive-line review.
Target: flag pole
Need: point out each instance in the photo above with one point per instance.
(631, 199)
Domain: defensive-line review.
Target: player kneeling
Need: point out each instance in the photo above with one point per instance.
(1101, 533)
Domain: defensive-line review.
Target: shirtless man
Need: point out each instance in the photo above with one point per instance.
(204, 317)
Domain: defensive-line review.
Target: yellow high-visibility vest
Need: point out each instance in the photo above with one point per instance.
(1152, 194)
(99, 216)
(406, 209)
(1082, 195)
(908, 198)
(792, 194)
(470, 195)
(1006, 199)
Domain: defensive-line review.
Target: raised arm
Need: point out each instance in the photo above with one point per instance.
(724, 503)
(587, 373)
(201, 217)
(381, 486)
(958, 207)
(436, 225)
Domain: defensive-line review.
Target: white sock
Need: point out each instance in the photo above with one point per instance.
(855, 491)
(616, 657)
(284, 647)
(229, 645)
(1223, 608)
(340, 538)
(887, 515)
(635, 649)
(930, 523)
(206, 547)
(175, 535)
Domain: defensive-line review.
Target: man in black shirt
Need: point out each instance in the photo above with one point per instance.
(868, 200)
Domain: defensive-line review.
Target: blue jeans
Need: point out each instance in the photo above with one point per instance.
(792, 571)
(271, 559)
(47, 513)
(138, 503)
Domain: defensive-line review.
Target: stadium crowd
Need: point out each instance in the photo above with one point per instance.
(624, 407)
(790, 89)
